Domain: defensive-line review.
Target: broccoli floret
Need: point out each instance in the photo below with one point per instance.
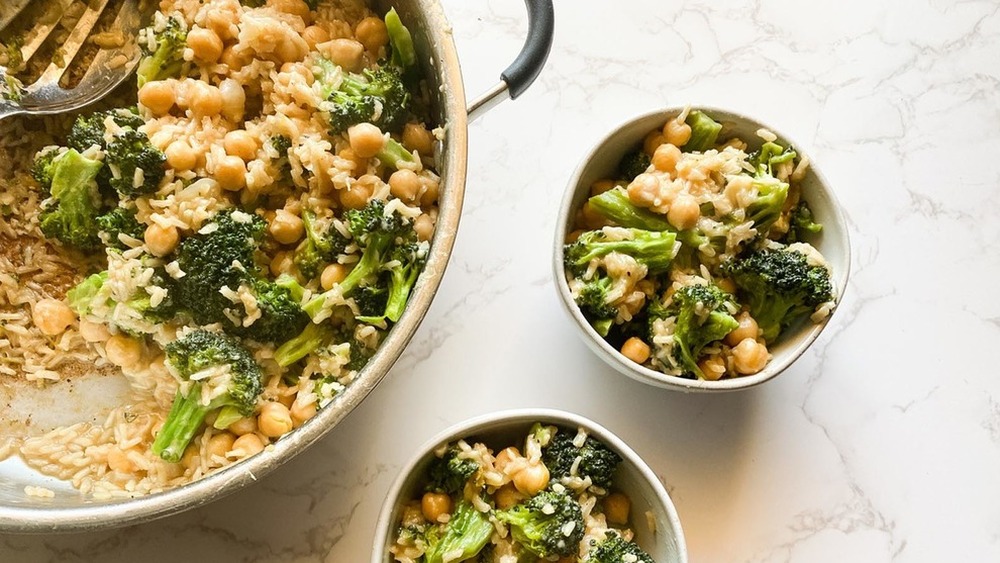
(42, 167)
(592, 299)
(281, 317)
(120, 220)
(376, 96)
(780, 287)
(167, 308)
(81, 297)
(167, 57)
(132, 160)
(633, 164)
(312, 337)
(193, 354)
(393, 153)
(371, 301)
(318, 248)
(549, 524)
(770, 154)
(466, 534)
(802, 223)
(597, 461)
(224, 256)
(704, 132)
(704, 315)
(614, 549)
(404, 56)
(71, 215)
(89, 130)
(407, 261)
(448, 473)
(360, 355)
(654, 249)
(771, 192)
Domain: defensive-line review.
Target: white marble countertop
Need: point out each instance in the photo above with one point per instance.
(881, 444)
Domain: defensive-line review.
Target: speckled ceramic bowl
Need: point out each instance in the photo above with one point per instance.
(832, 242)
(665, 543)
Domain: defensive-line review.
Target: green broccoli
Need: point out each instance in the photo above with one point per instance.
(407, 260)
(614, 549)
(234, 367)
(780, 287)
(42, 167)
(90, 130)
(136, 165)
(120, 221)
(633, 164)
(318, 248)
(466, 534)
(597, 461)
(449, 473)
(71, 214)
(312, 337)
(281, 316)
(594, 303)
(403, 56)
(704, 132)
(371, 301)
(377, 96)
(704, 315)
(222, 257)
(81, 297)
(549, 524)
(654, 249)
(393, 153)
(802, 223)
(166, 58)
(616, 206)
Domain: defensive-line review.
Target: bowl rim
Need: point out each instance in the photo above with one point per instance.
(483, 422)
(650, 376)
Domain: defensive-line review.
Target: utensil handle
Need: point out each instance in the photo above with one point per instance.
(529, 62)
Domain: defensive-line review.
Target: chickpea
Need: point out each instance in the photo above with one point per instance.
(573, 235)
(231, 173)
(290, 50)
(366, 139)
(315, 35)
(430, 188)
(416, 137)
(616, 508)
(435, 505)
(333, 274)
(247, 445)
(180, 156)
(119, 461)
(274, 420)
(405, 185)
(301, 413)
(286, 227)
(93, 332)
(221, 22)
(713, 367)
(205, 44)
(653, 140)
(234, 59)
(123, 351)
(750, 356)
(591, 216)
(192, 456)
(294, 7)
(412, 515)
(206, 100)
(505, 458)
(601, 186)
(356, 194)
(424, 227)
(358, 164)
(676, 132)
(684, 212)
(726, 284)
(665, 157)
(345, 53)
(52, 316)
(158, 96)
(282, 263)
(747, 329)
(643, 190)
(240, 143)
(507, 496)
(161, 240)
(532, 479)
(372, 33)
(243, 426)
(234, 100)
(636, 350)
(220, 444)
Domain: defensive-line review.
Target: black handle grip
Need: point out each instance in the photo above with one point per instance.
(528, 64)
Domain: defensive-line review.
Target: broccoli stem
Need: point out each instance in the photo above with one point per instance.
(311, 338)
(400, 283)
(403, 53)
(394, 153)
(185, 418)
(370, 263)
(704, 132)
(616, 206)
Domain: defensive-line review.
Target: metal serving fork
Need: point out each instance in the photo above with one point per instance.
(109, 68)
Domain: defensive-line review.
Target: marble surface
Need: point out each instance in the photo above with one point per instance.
(881, 444)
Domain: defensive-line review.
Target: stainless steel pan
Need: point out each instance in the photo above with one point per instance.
(71, 511)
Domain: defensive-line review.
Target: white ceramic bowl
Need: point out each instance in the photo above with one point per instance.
(501, 429)
(832, 242)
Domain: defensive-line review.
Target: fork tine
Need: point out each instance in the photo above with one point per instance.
(42, 33)
(73, 43)
(9, 9)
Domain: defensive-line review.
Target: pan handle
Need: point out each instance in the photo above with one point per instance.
(525, 68)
